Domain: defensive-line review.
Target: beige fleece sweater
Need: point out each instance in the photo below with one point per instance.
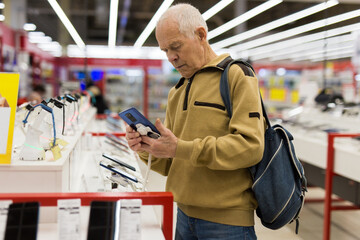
(208, 176)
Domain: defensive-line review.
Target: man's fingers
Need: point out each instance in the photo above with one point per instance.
(147, 140)
(160, 126)
(137, 147)
(129, 129)
(134, 143)
(131, 133)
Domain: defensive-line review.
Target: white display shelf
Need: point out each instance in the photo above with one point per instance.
(47, 175)
(77, 170)
(310, 141)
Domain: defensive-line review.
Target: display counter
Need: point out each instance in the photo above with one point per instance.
(47, 175)
(150, 228)
(48, 231)
(77, 171)
(310, 130)
(328, 145)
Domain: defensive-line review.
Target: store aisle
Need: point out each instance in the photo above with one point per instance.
(345, 224)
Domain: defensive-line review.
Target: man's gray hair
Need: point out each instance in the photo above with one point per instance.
(188, 17)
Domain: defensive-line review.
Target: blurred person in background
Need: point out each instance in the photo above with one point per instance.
(97, 98)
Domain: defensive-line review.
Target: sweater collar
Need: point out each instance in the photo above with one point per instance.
(219, 62)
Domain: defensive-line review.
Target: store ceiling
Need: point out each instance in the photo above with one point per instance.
(91, 18)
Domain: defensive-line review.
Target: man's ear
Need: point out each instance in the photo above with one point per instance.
(201, 33)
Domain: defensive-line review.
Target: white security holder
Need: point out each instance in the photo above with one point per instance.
(32, 149)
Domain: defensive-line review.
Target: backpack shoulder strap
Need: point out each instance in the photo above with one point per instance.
(224, 85)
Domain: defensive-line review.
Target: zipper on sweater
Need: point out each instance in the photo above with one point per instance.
(187, 90)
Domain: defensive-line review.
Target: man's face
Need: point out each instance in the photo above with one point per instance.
(184, 53)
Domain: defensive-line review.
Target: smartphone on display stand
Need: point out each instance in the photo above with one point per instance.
(139, 123)
(120, 172)
(121, 163)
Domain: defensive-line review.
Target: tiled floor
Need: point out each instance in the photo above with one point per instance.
(345, 224)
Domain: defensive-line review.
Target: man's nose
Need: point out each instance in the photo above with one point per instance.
(172, 56)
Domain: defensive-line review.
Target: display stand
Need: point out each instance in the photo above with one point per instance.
(164, 199)
(328, 208)
(48, 175)
(77, 174)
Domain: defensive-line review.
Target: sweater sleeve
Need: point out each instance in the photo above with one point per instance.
(243, 146)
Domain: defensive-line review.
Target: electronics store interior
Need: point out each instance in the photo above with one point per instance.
(75, 77)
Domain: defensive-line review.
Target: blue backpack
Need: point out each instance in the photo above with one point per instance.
(279, 183)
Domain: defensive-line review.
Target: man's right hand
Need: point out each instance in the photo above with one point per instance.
(133, 138)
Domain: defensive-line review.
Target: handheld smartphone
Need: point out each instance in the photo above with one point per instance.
(120, 172)
(139, 123)
(121, 163)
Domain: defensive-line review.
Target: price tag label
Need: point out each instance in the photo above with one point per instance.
(130, 219)
(69, 219)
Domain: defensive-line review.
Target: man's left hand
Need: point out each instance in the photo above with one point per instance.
(163, 147)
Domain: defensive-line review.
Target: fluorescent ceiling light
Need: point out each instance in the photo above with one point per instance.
(54, 48)
(50, 48)
(64, 19)
(310, 54)
(243, 18)
(327, 50)
(319, 44)
(274, 24)
(275, 47)
(339, 56)
(2, 5)
(40, 39)
(2, 18)
(323, 55)
(151, 25)
(216, 8)
(297, 30)
(29, 27)
(341, 53)
(36, 34)
(50, 44)
(114, 10)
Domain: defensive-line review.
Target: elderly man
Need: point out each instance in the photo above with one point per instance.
(204, 153)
